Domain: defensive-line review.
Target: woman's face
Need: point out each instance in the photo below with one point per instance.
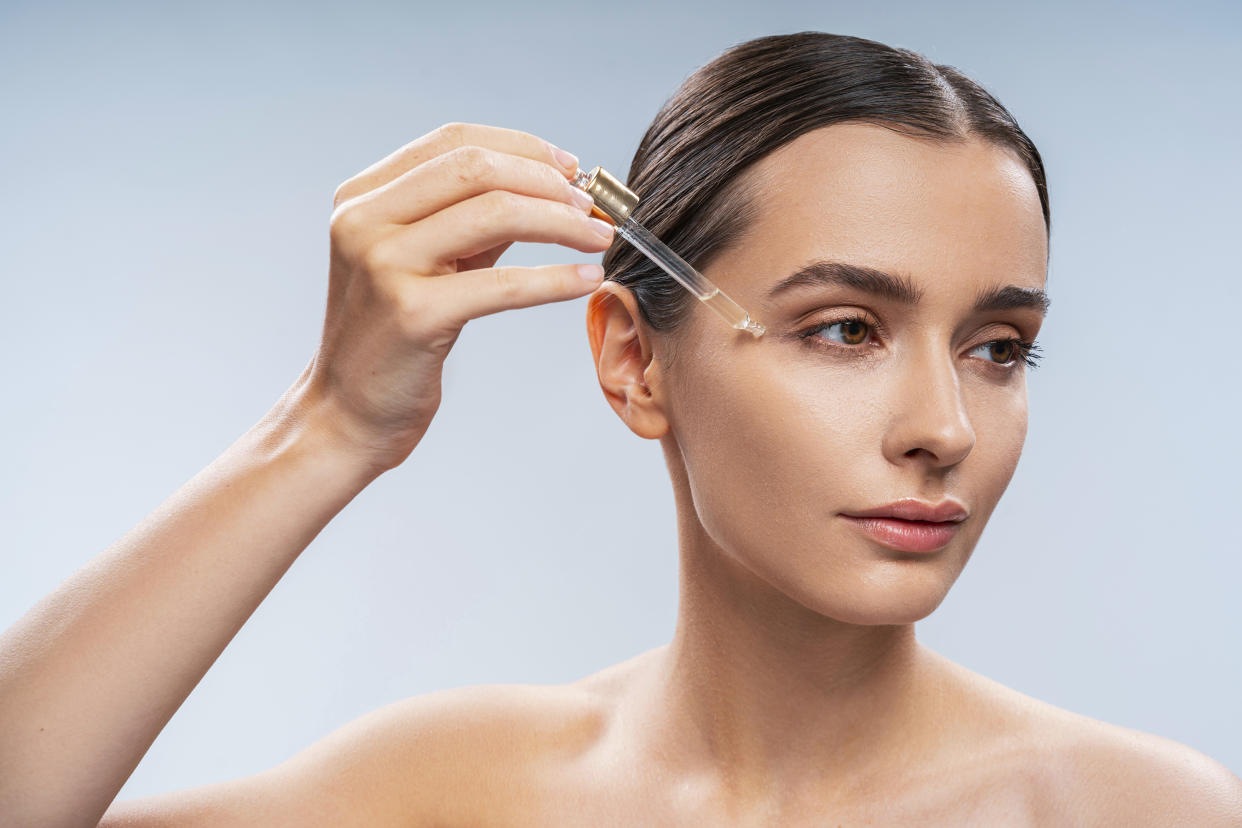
(782, 435)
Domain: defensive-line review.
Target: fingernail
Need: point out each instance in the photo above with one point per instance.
(566, 159)
(583, 200)
(602, 227)
(591, 272)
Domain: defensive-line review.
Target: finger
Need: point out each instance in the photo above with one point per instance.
(449, 137)
(477, 224)
(465, 296)
(456, 176)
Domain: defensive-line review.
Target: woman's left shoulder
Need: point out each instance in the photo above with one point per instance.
(1115, 773)
(1106, 774)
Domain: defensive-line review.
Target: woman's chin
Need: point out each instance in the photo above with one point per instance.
(880, 596)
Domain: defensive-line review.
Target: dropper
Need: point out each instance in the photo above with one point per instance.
(614, 202)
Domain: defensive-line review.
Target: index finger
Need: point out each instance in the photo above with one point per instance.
(448, 137)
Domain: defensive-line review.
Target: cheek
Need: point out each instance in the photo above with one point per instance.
(771, 456)
(999, 418)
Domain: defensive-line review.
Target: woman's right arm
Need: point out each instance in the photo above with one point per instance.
(90, 675)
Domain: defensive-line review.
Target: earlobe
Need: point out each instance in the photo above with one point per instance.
(625, 362)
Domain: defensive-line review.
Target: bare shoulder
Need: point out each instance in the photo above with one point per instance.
(1088, 771)
(1127, 777)
(472, 751)
(446, 757)
(463, 754)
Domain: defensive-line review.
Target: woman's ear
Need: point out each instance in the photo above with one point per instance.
(622, 349)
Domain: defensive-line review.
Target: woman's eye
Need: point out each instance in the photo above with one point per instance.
(1000, 350)
(852, 331)
(1013, 352)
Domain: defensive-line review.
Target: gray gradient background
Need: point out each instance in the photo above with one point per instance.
(168, 177)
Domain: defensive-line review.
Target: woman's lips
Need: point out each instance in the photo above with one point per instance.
(907, 535)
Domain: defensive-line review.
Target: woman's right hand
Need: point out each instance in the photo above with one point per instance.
(414, 240)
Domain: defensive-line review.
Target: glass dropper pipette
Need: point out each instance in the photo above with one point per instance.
(614, 201)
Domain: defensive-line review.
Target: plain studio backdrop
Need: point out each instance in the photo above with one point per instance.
(168, 177)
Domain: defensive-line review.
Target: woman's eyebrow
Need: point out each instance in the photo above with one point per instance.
(900, 288)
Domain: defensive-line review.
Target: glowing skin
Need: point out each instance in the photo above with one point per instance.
(794, 659)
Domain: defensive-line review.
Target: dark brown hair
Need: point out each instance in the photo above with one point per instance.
(758, 96)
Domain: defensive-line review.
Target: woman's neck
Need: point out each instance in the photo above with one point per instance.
(757, 693)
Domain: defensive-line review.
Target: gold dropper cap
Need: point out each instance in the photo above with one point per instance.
(612, 198)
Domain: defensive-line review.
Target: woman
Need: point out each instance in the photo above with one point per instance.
(887, 221)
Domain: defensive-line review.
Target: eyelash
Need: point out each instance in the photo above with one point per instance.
(1027, 352)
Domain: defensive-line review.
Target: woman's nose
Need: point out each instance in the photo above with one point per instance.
(931, 417)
